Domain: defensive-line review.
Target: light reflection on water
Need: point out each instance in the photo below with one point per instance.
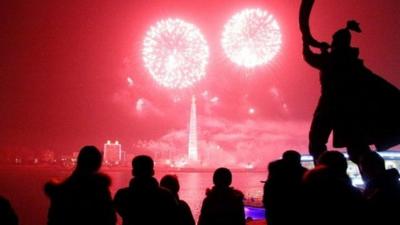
(194, 184)
(24, 187)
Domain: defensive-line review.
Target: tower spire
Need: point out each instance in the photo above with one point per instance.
(192, 147)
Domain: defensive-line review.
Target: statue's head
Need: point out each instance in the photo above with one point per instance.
(342, 37)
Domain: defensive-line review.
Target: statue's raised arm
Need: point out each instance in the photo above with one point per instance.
(304, 22)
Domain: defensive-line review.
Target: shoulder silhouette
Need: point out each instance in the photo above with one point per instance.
(143, 202)
(382, 189)
(84, 197)
(282, 190)
(329, 196)
(223, 204)
(185, 215)
(7, 213)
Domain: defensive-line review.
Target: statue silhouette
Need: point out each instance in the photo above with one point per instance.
(356, 105)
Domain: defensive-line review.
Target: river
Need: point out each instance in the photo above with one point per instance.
(23, 186)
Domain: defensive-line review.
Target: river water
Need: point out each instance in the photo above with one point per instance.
(23, 186)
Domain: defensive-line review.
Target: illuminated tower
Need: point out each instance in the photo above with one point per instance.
(192, 147)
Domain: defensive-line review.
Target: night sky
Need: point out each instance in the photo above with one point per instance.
(71, 73)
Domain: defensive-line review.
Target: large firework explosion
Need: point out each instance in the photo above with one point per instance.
(175, 53)
(251, 38)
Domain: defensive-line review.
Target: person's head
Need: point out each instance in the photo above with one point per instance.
(334, 160)
(222, 177)
(89, 159)
(171, 183)
(142, 166)
(292, 157)
(371, 165)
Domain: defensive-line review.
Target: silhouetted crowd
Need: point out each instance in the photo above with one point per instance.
(293, 194)
(325, 194)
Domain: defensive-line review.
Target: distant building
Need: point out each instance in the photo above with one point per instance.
(112, 152)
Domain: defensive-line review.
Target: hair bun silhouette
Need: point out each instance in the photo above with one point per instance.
(353, 25)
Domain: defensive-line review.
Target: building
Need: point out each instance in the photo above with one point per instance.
(112, 153)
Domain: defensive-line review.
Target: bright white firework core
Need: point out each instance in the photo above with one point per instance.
(175, 53)
(251, 38)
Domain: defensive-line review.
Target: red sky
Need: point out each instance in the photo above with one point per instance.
(64, 67)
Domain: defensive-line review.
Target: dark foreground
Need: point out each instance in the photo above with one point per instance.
(23, 186)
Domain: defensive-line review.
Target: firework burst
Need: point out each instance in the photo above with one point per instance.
(175, 53)
(251, 38)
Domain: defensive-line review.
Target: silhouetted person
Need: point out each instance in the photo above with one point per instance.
(7, 213)
(282, 190)
(84, 197)
(382, 189)
(358, 106)
(329, 197)
(144, 202)
(223, 204)
(171, 183)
